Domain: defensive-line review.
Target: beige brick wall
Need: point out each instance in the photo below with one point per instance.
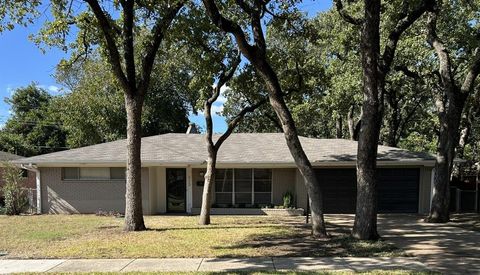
(70, 197)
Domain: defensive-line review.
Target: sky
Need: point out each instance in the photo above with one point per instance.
(22, 62)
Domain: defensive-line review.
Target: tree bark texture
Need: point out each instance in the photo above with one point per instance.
(339, 127)
(208, 187)
(365, 224)
(133, 197)
(463, 140)
(353, 128)
(449, 114)
(393, 120)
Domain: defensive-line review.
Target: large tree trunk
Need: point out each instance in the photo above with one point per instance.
(450, 115)
(290, 132)
(207, 188)
(365, 225)
(133, 197)
(339, 127)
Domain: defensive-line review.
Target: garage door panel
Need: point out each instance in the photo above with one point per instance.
(397, 190)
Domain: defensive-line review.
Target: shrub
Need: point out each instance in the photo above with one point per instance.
(15, 196)
(287, 200)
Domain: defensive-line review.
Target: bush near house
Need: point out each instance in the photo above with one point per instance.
(13, 190)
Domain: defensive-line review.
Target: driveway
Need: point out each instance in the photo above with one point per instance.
(443, 247)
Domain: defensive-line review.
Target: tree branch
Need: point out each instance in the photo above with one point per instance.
(347, 17)
(158, 32)
(445, 69)
(229, 26)
(112, 48)
(472, 74)
(402, 25)
(233, 123)
(128, 48)
(224, 77)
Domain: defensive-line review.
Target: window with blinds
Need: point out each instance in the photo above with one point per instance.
(93, 173)
(243, 186)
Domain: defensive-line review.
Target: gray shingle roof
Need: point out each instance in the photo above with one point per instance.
(4, 156)
(239, 148)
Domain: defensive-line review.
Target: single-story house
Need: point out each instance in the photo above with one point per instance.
(254, 170)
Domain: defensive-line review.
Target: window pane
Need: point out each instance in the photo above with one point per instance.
(70, 173)
(243, 198)
(263, 186)
(243, 174)
(263, 174)
(263, 198)
(223, 180)
(223, 198)
(94, 173)
(117, 173)
(243, 180)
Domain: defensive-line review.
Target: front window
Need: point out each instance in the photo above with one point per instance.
(224, 186)
(243, 186)
(93, 173)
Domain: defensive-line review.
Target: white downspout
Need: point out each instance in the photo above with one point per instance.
(34, 168)
(189, 197)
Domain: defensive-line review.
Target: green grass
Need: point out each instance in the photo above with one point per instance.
(89, 236)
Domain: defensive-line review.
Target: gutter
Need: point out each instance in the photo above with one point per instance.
(34, 168)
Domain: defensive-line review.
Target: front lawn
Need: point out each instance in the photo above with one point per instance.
(89, 236)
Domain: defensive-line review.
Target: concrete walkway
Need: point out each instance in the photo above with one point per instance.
(210, 264)
(442, 247)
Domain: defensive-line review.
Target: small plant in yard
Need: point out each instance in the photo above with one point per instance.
(288, 200)
(103, 213)
(16, 197)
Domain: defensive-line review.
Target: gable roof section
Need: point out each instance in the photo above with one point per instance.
(5, 156)
(241, 148)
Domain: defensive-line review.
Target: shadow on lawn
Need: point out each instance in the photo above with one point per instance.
(213, 227)
(299, 243)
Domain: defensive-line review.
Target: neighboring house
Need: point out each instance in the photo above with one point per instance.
(29, 176)
(253, 170)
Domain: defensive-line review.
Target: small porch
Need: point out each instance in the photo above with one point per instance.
(242, 191)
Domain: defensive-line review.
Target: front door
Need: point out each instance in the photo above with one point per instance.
(176, 190)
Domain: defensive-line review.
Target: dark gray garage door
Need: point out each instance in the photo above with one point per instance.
(397, 190)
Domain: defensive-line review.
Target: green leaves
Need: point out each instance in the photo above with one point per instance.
(17, 12)
(33, 127)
